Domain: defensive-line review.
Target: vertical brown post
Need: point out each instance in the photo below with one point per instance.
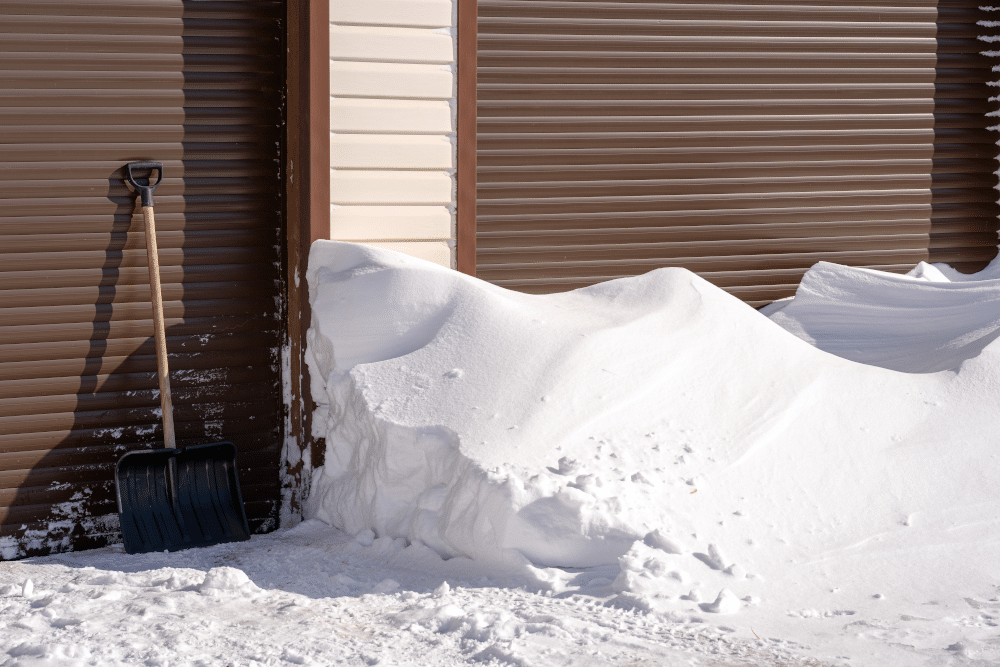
(307, 189)
(465, 175)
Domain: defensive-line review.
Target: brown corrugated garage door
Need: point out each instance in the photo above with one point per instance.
(744, 141)
(86, 86)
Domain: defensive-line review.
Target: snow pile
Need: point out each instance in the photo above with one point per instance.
(224, 581)
(918, 323)
(642, 472)
(656, 425)
(483, 422)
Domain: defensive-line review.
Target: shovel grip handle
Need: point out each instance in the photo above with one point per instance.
(142, 185)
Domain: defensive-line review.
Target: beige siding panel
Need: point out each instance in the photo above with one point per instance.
(391, 151)
(390, 116)
(391, 187)
(366, 223)
(416, 13)
(392, 125)
(391, 80)
(413, 45)
(437, 252)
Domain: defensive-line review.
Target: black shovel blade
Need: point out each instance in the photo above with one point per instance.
(145, 488)
(171, 499)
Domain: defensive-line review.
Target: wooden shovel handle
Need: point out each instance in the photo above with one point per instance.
(162, 370)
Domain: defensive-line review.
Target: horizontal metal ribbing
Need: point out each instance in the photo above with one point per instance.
(114, 276)
(617, 137)
(138, 44)
(124, 81)
(126, 241)
(674, 249)
(42, 134)
(83, 99)
(85, 87)
(750, 123)
(499, 240)
(531, 91)
(545, 269)
(128, 382)
(771, 185)
(219, 119)
(733, 109)
(728, 28)
(101, 402)
(45, 315)
(249, 435)
(25, 360)
(643, 61)
(748, 201)
(491, 45)
(134, 362)
(203, 149)
(97, 295)
(111, 172)
(599, 166)
(97, 28)
(73, 259)
(81, 418)
(705, 156)
(273, 9)
(725, 75)
(945, 216)
(735, 138)
(825, 10)
(55, 64)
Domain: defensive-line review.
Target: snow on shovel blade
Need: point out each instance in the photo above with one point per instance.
(180, 498)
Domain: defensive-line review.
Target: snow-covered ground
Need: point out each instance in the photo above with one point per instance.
(316, 596)
(643, 472)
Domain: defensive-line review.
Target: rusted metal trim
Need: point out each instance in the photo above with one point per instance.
(465, 175)
(307, 186)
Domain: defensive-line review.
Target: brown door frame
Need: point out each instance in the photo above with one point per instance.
(465, 173)
(307, 213)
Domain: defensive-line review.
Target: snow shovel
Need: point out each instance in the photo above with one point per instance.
(171, 497)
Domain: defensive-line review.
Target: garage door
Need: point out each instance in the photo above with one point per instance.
(744, 141)
(86, 86)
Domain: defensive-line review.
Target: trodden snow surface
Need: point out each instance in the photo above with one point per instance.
(642, 472)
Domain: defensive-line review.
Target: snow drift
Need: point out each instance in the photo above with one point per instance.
(655, 423)
(917, 323)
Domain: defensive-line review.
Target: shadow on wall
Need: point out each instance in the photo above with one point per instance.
(209, 106)
(965, 215)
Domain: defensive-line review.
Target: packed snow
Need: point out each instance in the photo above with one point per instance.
(642, 472)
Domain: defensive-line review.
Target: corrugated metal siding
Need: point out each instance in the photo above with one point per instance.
(742, 141)
(86, 86)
